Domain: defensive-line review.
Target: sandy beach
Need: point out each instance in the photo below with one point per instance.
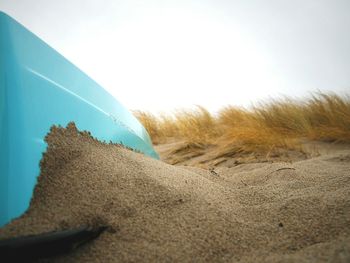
(258, 212)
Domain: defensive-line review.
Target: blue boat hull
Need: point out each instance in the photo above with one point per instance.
(40, 88)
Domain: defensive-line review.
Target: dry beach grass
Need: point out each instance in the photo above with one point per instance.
(270, 131)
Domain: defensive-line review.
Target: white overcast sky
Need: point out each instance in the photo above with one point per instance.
(159, 55)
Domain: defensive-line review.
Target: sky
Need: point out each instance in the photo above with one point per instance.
(160, 55)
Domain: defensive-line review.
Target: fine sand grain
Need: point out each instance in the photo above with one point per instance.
(262, 212)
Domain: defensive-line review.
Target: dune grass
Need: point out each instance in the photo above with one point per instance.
(265, 128)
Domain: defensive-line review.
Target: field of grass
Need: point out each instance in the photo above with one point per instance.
(269, 129)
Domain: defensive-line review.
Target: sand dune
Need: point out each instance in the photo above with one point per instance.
(262, 212)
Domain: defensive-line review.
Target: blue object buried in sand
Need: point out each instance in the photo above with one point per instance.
(40, 88)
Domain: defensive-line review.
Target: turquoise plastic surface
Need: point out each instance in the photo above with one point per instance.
(39, 88)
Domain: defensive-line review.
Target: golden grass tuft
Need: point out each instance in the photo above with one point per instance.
(197, 126)
(262, 130)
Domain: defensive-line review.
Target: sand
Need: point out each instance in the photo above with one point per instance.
(204, 156)
(279, 212)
